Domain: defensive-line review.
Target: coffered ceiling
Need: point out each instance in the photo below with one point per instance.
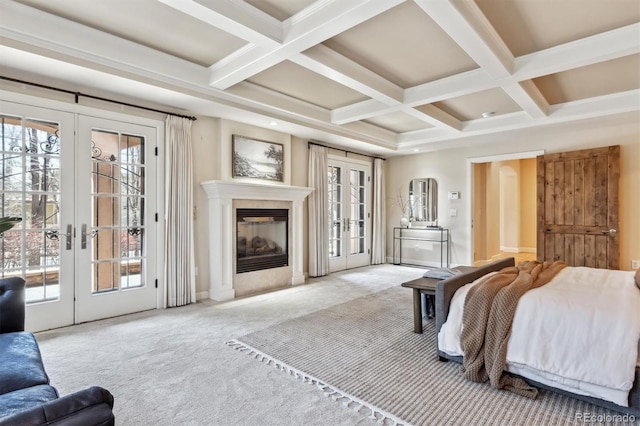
(384, 76)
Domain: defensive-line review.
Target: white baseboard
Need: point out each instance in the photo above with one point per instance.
(202, 295)
(517, 250)
(510, 249)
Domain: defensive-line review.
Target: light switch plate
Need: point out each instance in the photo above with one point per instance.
(453, 212)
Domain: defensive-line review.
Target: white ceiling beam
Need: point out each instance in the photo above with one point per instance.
(373, 108)
(616, 103)
(456, 85)
(435, 116)
(334, 66)
(461, 84)
(591, 50)
(528, 97)
(326, 18)
(279, 102)
(315, 25)
(237, 18)
(468, 27)
(571, 111)
(362, 110)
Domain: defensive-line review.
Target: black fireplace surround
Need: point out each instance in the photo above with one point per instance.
(262, 237)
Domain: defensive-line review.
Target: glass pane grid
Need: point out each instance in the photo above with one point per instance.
(358, 211)
(118, 218)
(30, 188)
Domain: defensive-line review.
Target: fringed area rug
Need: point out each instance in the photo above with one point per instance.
(365, 355)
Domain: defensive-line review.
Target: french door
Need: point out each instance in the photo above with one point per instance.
(37, 185)
(349, 214)
(116, 219)
(80, 184)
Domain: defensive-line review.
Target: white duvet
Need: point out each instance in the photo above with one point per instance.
(580, 333)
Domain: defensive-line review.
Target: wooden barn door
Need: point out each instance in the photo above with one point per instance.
(578, 207)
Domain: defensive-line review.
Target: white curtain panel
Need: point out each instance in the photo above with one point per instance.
(180, 283)
(378, 239)
(318, 212)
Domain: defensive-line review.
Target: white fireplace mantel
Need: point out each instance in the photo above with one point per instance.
(221, 228)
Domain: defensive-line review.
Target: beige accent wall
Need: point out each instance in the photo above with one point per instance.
(528, 205)
(479, 209)
(453, 171)
(212, 161)
(629, 204)
(487, 204)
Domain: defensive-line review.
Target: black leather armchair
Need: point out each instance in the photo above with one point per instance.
(11, 305)
(26, 398)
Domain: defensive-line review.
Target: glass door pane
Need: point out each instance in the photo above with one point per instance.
(31, 190)
(34, 186)
(358, 209)
(335, 211)
(117, 227)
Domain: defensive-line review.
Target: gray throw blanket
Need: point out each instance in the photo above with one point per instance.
(489, 309)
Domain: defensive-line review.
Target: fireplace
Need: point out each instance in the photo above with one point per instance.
(262, 237)
(225, 197)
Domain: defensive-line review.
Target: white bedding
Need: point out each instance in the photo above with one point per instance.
(588, 346)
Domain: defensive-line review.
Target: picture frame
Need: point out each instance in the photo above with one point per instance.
(257, 159)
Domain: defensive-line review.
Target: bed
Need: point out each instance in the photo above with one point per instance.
(448, 307)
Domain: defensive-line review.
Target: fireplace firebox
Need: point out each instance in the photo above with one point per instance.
(262, 239)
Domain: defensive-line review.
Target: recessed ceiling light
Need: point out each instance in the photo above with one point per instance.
(273, 123)
(488, 114)
(416, 150)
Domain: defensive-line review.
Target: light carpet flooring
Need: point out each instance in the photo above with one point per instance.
(363, 354)
(172, 367)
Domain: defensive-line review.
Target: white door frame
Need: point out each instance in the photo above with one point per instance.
(486, 159)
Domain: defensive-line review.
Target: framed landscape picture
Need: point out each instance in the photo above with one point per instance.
(253, 158)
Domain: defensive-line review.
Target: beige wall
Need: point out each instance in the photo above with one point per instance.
(449, 169)
(206, 154)
(300, 177)
(452, 170)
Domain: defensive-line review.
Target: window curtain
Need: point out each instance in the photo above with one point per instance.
(180, 283)
(378, 239)
(432, 199)
(318, 212)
